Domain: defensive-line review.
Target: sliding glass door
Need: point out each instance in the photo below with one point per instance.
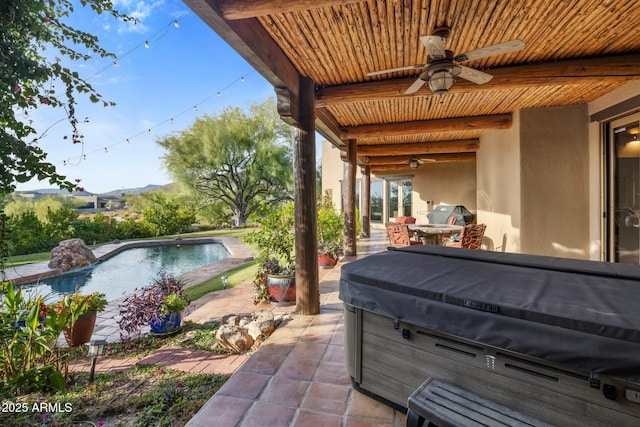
(624, 190)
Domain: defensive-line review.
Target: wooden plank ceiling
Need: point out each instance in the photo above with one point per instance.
(575, 51)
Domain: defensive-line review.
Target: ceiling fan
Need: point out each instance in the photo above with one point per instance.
(443, 67)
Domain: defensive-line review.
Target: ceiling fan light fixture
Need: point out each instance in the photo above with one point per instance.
(441, 81)
(413, 163)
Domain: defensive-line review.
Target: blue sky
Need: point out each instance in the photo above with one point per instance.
(183, 68)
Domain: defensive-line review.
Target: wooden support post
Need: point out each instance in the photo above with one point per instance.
(349, 202)
(365, 200)
(304, 166)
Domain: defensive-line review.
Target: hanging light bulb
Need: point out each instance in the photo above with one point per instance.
(175, 24)
(219, 94)
(146, 44)
(195, 108)
(171, 120)
(115, 64)
(242, 79)
(84, 157)
(128, 141)
(105, 150)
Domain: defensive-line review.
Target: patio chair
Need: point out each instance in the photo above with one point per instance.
(407, 220)
(471, 238)
(399, 235)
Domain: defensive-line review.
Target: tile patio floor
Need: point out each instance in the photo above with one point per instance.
(296, 378)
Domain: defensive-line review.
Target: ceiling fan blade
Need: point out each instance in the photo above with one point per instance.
(393, 70)
(434, 46)
(474, 75)
(495, 49)
(415, 86)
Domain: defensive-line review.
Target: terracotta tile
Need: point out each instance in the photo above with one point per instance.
(314, 419)
(334, 353)
(264, 414)
(244, 385)
(221, 411)
(284, 391)
(309, 350)
(332, 373)
(297, 368)
(262, 363)
(327, 398)
(365, 407)
(360, 422)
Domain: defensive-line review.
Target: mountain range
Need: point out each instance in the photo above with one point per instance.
(118, 192)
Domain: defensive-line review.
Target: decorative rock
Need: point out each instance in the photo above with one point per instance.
(71, 254)
(262, 326)
(234, 338)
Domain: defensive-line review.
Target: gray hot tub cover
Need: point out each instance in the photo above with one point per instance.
(583, 314)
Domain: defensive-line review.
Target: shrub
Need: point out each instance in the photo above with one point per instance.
(150, 303)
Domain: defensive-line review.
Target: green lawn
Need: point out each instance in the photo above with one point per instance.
(235, 276)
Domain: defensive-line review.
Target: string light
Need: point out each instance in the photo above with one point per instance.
(175, 24)
(115, 64)
(146, 44)
(147, 131)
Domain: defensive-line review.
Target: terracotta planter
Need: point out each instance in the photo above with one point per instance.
(327, 261)
(82, 329)
(166, 325)
(282, 288)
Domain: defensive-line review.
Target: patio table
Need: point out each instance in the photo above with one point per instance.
(433, 234)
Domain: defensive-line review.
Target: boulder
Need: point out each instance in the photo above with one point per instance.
(234, 338)
(70, 255)
(262, 326)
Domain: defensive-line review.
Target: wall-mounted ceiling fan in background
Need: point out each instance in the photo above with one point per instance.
(443, 67)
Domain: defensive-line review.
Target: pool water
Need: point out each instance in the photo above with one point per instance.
(130, 269)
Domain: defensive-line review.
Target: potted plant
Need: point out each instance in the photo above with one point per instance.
(274, 241)
(159, 306)
(81, 311)
(330, 233)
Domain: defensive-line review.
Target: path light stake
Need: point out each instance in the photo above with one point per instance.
(224, 282)
(95, 348)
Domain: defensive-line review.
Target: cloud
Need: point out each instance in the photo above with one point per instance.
(140, 10)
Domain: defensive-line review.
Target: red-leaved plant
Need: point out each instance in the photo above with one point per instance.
(149, 303)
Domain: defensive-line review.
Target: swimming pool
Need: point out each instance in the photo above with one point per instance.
(132, 268)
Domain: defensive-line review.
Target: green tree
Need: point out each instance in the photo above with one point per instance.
(34, 41)
(165, 216)
(241, 159)
(25, 234)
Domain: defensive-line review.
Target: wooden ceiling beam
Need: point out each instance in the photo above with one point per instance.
(327, 126)
(419, 148)
(243, 9)
(426, 158)
(456, 124)
(566, 72)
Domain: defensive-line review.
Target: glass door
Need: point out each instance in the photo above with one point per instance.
(624, 188)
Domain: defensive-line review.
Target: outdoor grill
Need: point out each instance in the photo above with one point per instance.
(441, 214)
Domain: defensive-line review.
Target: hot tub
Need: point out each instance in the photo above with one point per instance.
(555, 338)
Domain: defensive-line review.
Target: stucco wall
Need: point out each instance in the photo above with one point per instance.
(554, 182)
(444, 184)
(498, 188)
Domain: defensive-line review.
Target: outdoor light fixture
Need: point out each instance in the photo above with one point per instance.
(95, 348)
(441, 81)
(224, 282)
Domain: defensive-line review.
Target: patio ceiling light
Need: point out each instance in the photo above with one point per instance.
(441, 81)
(413, 163)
